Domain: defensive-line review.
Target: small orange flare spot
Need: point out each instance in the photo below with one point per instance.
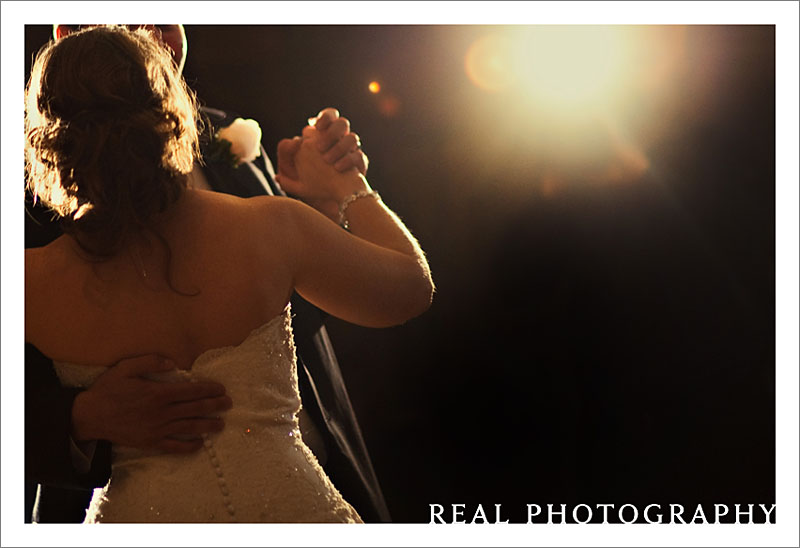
(389, 106)
(374, 87)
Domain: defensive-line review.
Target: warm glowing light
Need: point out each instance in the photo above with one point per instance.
(389, 106)
(374, 87)
(574, 64)
(490, 62)
(564, 91)
(556, 65)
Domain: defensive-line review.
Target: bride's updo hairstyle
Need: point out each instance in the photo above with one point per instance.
(111, 133)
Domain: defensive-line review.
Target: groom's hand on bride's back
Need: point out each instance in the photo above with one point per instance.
(126, 408)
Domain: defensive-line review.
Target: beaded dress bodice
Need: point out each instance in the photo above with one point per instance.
(257, 469)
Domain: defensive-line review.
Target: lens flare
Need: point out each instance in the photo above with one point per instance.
(566, 92)
(572, 64)
(374, 87)
(489, 62)
(556, 65)
(389, 106)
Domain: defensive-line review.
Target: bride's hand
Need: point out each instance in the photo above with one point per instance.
(339, 146)
(319, 184)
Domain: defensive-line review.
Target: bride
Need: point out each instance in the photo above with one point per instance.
(148, 265)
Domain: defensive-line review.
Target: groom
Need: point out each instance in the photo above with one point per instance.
(66, 439)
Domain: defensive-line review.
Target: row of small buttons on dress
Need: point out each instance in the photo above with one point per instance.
(212, 455)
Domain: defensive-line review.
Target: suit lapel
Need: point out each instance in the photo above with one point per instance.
(243, 181)
(249, 179)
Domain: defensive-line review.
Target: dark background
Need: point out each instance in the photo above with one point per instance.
(594, 338)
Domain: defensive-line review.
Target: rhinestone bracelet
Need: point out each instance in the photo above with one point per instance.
(349, 200)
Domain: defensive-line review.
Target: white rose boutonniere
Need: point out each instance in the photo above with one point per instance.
(238, 143)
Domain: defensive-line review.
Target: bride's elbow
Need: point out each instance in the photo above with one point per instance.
(424, 293)
(417, 297)
(404, 292)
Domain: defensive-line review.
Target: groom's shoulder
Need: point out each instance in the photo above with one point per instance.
(217, 117)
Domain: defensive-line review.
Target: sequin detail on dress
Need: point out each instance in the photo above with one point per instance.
(257, 469)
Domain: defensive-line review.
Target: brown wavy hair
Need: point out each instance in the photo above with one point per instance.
(111, 134)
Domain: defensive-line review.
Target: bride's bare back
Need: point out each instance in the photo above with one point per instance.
(226, 278)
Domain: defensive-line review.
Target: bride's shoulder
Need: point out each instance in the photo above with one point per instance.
(262, 210)
(226, 214)
(218, 201)
(40, 260)
(43, 267)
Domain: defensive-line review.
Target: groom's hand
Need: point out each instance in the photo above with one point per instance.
(339, 147)
(124, 407)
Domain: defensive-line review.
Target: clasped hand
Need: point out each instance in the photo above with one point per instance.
(325, 165)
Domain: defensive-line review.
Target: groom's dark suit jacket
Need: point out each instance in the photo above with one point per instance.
(64, 493)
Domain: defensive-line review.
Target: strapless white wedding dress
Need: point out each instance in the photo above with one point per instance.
(256, 470)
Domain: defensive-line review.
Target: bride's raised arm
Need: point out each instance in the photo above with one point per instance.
(375, 275)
